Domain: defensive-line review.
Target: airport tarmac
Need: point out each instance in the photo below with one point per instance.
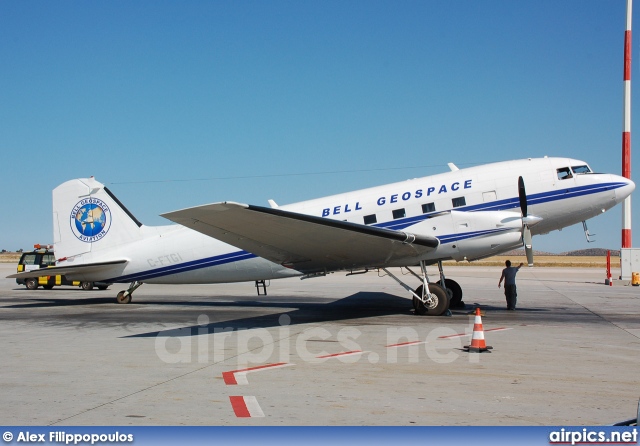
(328, 351)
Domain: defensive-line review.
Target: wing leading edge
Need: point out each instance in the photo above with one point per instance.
(303, 242)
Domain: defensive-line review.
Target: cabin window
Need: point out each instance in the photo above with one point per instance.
(428, 207)
(370, 219)
(580, 169)
(564, 173)
(457, 202)
(399, 213)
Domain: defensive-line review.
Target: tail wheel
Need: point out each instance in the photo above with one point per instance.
(87, 286)
(439, 305)
(123, 298)
(456, 293)
(31, 283)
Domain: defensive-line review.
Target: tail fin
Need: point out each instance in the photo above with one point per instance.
(88, 218)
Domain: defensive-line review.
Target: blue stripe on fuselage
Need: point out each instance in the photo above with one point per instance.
(184, 267)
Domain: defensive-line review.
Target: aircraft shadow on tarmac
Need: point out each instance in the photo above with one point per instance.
(348, 308)
(361, 305)
(222, 311)
(358, 306)
(37, 302)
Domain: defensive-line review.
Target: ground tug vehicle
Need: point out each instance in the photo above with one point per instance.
(42, 257)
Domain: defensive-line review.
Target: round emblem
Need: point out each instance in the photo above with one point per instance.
(90, 220)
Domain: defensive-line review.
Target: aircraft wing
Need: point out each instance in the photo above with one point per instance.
(303, 242)
(81, 270)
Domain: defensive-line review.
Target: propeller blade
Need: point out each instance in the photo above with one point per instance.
(528, 248)
(522, 194)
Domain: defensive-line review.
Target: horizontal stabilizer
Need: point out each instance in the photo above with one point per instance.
(303, 242)
(89, 271)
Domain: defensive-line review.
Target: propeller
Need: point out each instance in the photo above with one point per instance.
(526, 232)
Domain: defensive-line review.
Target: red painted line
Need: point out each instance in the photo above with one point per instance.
(230, 376)
(339, 354)
(239, 407)
(454, 335)
(402, 344)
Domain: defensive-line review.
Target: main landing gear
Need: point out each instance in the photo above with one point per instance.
(433, 299)
(124, 297)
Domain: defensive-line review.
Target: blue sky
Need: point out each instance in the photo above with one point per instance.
(175, 104)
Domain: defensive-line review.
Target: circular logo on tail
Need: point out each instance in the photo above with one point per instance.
(90, 220)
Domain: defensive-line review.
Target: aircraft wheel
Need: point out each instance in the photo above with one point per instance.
(440, 304)
(122, 299)
(87, 286)
(31, 283)
(102, 287)
(456, 293)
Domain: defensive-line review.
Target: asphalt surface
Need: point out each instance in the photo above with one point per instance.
(328, 351)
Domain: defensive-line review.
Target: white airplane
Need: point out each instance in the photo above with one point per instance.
(464, 214)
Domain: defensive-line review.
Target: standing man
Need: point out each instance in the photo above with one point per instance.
(509, 277)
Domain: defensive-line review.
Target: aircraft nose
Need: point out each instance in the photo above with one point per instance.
(625, 190)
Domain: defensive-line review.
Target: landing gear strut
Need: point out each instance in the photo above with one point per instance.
(124, 297)
(429, 298)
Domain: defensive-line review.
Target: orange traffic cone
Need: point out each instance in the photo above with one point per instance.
(477, 340)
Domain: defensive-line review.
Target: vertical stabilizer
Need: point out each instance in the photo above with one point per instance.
(88, 218)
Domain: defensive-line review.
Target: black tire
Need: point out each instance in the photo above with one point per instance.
(87, 286)
(456, 293)
(122, 299)
(440, 306)
(103, 287)
(31, 283)
(47, 287)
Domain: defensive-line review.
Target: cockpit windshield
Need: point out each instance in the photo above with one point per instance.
(566, 172)
(581, 169)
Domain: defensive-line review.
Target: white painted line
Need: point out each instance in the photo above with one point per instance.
(253, 407)
(246, 407)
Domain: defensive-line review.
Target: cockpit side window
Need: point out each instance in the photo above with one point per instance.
(564, 173)
(580, 169)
